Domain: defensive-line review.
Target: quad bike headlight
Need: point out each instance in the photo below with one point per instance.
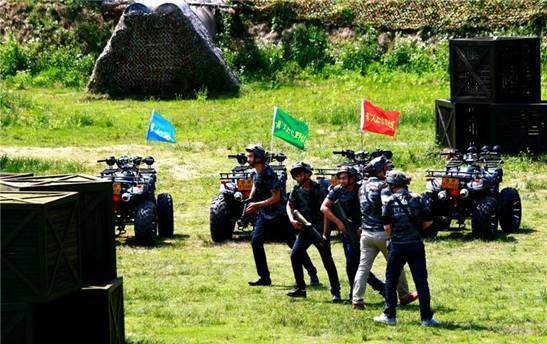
(238, 196)
(442, 195)
(464, 193)
(476, 184)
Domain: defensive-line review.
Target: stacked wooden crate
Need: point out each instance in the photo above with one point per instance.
(495, 88)
(84, 288)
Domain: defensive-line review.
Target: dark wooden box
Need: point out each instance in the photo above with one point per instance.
(17, 325)
(495, 69)
(9, 175)
(95, 314)
(515, 127)
(39, 231)
(97, 236)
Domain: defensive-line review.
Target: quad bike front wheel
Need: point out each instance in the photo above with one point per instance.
(145, 223)
(222, 224)
(510, 210)
(484, 218)
(165, 215)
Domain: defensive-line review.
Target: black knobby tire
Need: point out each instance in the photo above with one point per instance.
(438, 223)
(484, 217)
(510, 208)
(221, 222)
(165, 215)
(145, 223)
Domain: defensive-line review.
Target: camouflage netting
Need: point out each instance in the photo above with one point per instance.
(165, 52)
(405, 15)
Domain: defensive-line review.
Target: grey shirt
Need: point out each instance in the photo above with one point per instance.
(370, 201)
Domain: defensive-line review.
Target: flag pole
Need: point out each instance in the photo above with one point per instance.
(149, 125)
(362, 124)
(273, 129)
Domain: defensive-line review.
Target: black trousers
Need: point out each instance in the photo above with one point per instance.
(278, 227)
(353, 255)
(414, 255)
(299, 253)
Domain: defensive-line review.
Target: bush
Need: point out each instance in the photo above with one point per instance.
(49, 65)
(307, 46)
(414, 56)
(358, 54)
(13, 58)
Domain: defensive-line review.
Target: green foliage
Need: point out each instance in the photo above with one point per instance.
(307, 46)
(49, 65)
(13, 58)
(358, 54)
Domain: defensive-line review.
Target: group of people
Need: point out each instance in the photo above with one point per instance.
(375, 215)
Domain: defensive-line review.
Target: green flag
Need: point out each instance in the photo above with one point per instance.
(289, 129)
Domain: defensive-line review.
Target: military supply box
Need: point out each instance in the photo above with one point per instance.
(96, 235)
(39, 231)
(495, 69)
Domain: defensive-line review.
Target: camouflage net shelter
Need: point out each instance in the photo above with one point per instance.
(161, 50)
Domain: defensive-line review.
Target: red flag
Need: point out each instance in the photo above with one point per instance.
(377, 120)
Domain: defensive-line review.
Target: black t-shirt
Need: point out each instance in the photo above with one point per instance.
(308, 202)
(404, 228)
(264, 183)
(349, 201)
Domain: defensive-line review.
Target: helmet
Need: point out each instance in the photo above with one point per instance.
(472, 149)
(351, 171)
(258, 151)
(300, 166)
(485, 149)
(397, 178)
(377, 165)
(496, 149)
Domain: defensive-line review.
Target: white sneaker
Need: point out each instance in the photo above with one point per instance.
(384, 319)
(431, 322)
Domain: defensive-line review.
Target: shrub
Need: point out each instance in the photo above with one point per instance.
(13, 58)
(307, 46)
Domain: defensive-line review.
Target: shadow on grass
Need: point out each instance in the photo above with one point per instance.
(131, 241)
(415, 307)
(449, 325)
(467, 236)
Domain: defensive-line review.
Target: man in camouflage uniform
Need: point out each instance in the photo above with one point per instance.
(405, 215)
(373, 237)
(346, 192)
(307, 197)
(268, 203)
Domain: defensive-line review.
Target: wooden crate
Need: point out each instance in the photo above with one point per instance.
(95, 314)
(39, 231)
(97, 236)
(495, 69)
(515, 127)
(9, 175)
(17, 326)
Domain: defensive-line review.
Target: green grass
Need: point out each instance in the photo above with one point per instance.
(190, 290)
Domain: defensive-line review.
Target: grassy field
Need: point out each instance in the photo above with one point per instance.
(191, 290)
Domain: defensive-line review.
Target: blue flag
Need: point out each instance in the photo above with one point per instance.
(160, 129)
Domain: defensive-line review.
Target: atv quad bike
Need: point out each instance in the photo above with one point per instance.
(227, 212)
(133, 195)
(469, 187)
(358, 160)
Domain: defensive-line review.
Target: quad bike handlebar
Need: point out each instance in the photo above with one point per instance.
(127, 162)
(270, 157)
